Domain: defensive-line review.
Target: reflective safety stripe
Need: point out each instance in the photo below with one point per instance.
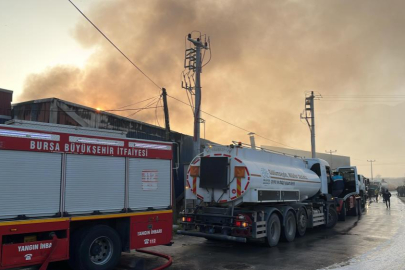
(195, 185)
(238, 186)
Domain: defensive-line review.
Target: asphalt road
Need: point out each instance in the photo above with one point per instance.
(347, 245)
(373, 241)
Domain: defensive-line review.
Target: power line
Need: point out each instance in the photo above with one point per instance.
(148, 106)
(387, 96)
(229, 123)
(156, 116)
(137, 102)
(114, 45)
(364, 98)
(131, 109)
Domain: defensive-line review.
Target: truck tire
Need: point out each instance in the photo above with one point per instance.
(95, 248)
(356, 208)
(333, 217)
(342, 214)
(302, 221)
(360, 209)
(273, 230)
(290, 227)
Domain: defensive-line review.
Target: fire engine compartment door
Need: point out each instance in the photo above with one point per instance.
(94, 183)
(149, 183)
(29, 183)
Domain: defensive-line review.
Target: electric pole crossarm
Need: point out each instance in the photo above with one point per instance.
(197, 43)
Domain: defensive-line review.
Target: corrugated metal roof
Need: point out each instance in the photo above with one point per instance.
(6, 91)
(79, 106)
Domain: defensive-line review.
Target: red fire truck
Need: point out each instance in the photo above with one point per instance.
(79, 194)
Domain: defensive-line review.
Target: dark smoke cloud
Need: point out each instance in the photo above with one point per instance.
(266, 54)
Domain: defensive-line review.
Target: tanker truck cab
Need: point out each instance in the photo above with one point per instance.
(236, 193)
(350, 201)
(362, 189)
(322, 169)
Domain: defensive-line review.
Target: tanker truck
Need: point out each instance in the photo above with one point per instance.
(237, 193)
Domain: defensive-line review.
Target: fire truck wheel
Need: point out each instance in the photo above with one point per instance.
(290, 227)
(302, 220)
(273, 230)
(342, 214)
(332, 217)
(96, 248)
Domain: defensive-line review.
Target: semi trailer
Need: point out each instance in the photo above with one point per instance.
(80, 194)
(238, 193)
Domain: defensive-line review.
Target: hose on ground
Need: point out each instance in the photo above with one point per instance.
(167, 257)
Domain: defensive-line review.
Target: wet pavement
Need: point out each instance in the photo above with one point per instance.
(390, 253)
(373, 241)
(351, 245)
(356, 239)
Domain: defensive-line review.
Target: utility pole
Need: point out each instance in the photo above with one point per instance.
(309, 113)
(330, 152)
(371, 161)
(193, 62)
(252, 140)
(166, 111)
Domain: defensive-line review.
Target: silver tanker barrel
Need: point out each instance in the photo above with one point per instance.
(234, 175)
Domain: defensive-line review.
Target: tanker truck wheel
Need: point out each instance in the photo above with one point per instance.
(95, 248)
(342, 215)
(332, 217)
(355, 210)
(273, 230)
(360, 209)
(290, 227)
(301, 222)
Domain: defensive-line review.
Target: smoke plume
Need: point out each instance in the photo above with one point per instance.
(265, 55)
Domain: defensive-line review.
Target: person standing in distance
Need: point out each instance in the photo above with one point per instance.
(387, 196)
(376, 195)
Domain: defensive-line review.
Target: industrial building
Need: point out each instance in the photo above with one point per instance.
(6, 97)
(57, 111)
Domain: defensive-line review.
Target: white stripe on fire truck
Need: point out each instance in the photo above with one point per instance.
(29, 135)
(95, 141)
(150, 146)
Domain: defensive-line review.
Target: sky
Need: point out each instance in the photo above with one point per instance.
(266, 55)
